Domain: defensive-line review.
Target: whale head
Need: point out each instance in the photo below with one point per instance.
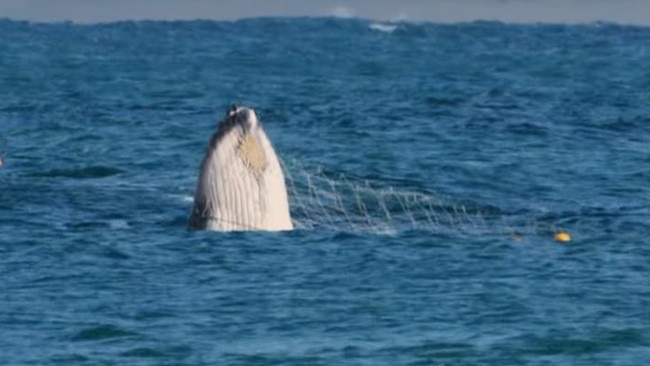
(242, 116)
(241, 185)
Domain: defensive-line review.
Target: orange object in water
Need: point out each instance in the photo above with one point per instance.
(562, 236)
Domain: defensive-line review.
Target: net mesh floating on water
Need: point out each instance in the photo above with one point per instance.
(325, 200)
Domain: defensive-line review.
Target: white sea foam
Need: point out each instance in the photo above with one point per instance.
(383, 27)
(184, 198)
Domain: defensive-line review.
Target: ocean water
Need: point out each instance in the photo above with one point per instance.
(516, 131)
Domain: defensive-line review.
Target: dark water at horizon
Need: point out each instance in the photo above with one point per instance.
(102, 129)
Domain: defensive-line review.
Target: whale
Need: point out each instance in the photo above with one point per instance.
(241, 186)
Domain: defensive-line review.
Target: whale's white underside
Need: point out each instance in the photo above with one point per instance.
(241, 185)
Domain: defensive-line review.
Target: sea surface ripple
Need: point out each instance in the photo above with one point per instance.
(103, 126)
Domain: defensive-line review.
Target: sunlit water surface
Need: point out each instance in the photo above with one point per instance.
(512, 132)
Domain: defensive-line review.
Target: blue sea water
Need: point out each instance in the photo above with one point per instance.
(102, 129)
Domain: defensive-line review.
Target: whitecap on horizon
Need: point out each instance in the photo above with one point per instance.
(386, 28)
(636, 12)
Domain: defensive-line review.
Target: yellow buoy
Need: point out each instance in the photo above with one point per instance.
(562, 236)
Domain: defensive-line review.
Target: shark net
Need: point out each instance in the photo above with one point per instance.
(320, 199)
